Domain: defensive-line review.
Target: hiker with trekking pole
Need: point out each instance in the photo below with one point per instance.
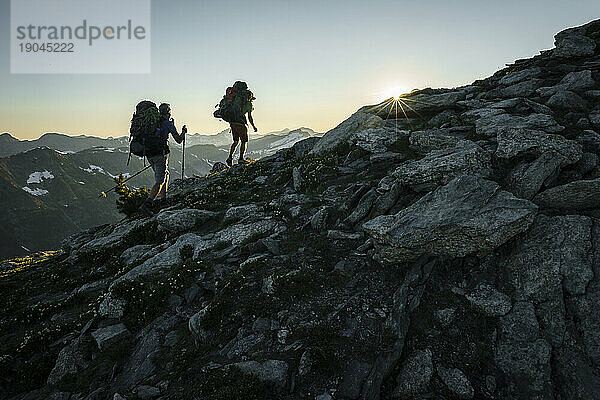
(150, 129)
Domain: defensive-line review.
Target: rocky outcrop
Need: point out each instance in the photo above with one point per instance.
(482, 218)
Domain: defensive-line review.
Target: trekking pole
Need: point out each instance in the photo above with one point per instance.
(183, 154)
(103, 194)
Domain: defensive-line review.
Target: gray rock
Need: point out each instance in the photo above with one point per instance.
(587, 163)
(244, 212)
(522, 89)
(320, 220)
(195, 325)
(441, 166)
(297, 178)
(339, 235)
(567, 100)
(589, 141)
(415, 374)
(111, 307)
(377, 140)
(271, 371)
(469, 215)
(344, 132)
(519, 76)
(388, 158)
(177, 221)
(489, 301)
(116, 237)
(573, 196)
(135, 253)
(171, 339)
(421, 104)
(491, 126)
(387, 200)
(324, 396)
(355, 374)
(71, 360)
(444, 316)
(218, 167)
(578, 80)
(515, 142)
(147, 392)
(595, 118)
(305, 364)
(526, 367)
(456, 381)
(571, 44)
(526, 179)
(588, 321)
(552, 254)
(576, 378)
(363, 207)
(108, 336)
(437, 139)
(520, 324)
(303, 147)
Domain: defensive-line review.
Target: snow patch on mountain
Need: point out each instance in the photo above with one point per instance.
(35, 192)
(94, 168)
(38, 177)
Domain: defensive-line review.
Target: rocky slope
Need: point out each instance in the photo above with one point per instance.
(448, 251)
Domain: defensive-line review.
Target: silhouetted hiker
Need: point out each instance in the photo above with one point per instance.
(233, 108)
(160, 160)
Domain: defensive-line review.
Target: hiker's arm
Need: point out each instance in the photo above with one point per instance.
(173, 131)
(252, 121)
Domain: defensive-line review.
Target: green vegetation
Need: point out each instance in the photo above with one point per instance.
(129, 200)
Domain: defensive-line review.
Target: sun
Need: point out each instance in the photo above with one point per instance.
(395, 92)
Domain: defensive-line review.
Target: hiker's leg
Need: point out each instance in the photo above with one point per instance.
(242, 150)
(163, 189)
(232, 149)
(154, 191)
(244, 140)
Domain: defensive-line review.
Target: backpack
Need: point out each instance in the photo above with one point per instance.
(145, 135)
(228, 108)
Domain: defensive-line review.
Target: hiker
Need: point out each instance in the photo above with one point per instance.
(160, 160)
(239, 124)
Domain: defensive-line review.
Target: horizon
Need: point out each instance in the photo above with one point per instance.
(189, 134)
(303, 72)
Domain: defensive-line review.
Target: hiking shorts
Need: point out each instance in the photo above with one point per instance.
(239, 132)
(159, 166)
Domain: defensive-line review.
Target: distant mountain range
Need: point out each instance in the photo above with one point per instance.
(49, 187)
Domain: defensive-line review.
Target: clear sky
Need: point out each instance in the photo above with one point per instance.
(310, 63)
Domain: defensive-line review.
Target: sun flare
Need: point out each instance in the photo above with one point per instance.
(394, 92)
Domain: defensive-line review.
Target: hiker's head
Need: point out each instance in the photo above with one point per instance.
(165, 109)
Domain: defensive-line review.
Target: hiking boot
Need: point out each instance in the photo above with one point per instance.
(243, 161)
(229, 162)
(145, 209)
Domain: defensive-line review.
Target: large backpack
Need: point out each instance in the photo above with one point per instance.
(145, 136)
(228, 108)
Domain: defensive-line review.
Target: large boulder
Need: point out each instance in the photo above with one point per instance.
(345, 131)
(491, 125)
(575, 42)
(519, 141)
(177, 221)
(573, 196)
(436, 139)
(441, 166)
(468, 215)
(553, 254)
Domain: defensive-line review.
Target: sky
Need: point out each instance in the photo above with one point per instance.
(309, 63)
